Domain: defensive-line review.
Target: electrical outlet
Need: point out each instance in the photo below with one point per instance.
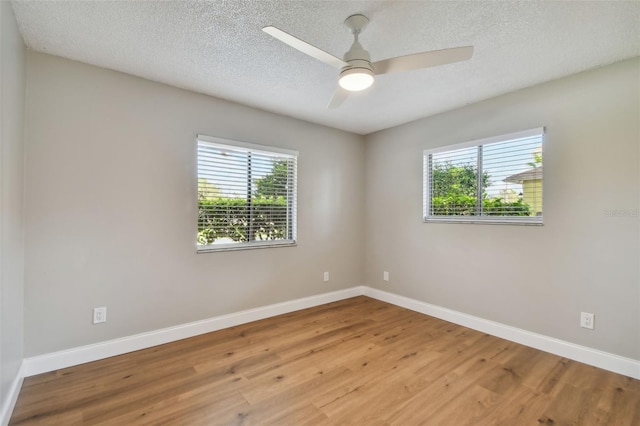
(99, 315)
(587, 320)
(385, 275)
(326, 276)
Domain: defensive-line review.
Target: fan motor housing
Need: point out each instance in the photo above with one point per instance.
(357, 64)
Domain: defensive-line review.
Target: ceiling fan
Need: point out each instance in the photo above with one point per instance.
(357, 72)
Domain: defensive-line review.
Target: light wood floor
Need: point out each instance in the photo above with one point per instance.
(354, 362)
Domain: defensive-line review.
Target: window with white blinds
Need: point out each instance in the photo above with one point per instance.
(246, 195)
(493, 180)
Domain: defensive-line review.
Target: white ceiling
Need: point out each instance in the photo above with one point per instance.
(218, 48)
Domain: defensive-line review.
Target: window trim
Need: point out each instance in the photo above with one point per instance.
(492, 220)
(246, 146)
(241, 146)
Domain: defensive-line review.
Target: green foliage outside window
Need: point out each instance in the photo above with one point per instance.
(263, 215)
(275, 183)
(454, 193)
(230, 218)
(449, 180)
(465, 205)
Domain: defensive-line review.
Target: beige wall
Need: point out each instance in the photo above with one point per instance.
(586, 260)
(12, 86)
(111, 207)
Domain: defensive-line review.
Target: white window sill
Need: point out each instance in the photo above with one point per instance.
(244, 246)
(487, 220)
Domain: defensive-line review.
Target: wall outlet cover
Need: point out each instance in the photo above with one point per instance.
(587, 320)
(99, 315)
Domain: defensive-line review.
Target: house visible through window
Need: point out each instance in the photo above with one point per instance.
(494, 180)
(246, 195)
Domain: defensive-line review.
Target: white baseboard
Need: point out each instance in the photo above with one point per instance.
(607, 361)
(10, 399)
(80, 355)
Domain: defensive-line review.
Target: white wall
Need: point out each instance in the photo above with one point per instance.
(12, 86)
(111, 207)
(534, 278)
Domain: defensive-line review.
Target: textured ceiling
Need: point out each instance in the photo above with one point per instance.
(218, 48)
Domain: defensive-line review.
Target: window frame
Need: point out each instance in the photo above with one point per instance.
(292, 202)
(492, 220)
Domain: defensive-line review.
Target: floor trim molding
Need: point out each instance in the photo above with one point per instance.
(80, 355)
(12, 396)
(605, 360)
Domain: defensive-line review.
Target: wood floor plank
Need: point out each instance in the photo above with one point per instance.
(572, 406)
(353, 362)
(289, 400)
(622, 405)
(198, 408)
(520, 407)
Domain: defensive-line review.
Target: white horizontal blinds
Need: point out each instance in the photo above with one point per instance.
(453, 182)
(513, 170)
(245, 195)
(496, 178)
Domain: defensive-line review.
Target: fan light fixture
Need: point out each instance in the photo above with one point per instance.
(357, 72)
(356, 79)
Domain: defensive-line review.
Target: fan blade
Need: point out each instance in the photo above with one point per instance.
(305, 47)
(338, 98)
(423, 60)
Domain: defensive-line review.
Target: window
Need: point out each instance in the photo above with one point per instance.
(246, 195)
(494, 180)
